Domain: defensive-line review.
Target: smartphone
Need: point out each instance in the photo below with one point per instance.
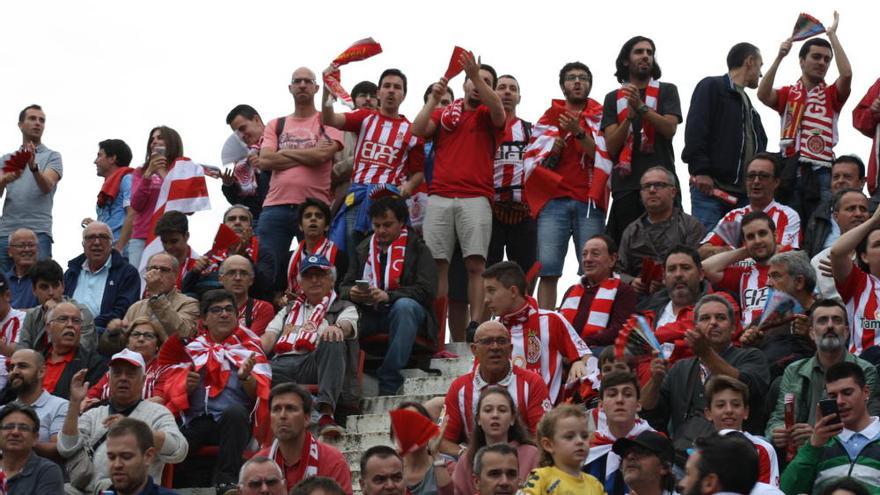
(159, 150)
(829, 406)
(362, 285)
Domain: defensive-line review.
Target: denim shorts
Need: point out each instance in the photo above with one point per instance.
(561, 219)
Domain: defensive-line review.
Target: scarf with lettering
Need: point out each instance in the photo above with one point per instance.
(812, 133)
(304, 337)
(396, 253)
(308, 457)
(652, 96)
(325, 248)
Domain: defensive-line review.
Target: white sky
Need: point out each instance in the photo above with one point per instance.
(104, 69)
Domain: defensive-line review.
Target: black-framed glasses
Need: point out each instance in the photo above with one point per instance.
(23, 245)
(216, 310)
(647, 186)
(762, 176)
(488, 341)
(145, 335)
(73, 320)
(302, 80)
(97, 237)
(17, 426)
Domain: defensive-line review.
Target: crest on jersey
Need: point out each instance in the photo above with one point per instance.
(533, 349)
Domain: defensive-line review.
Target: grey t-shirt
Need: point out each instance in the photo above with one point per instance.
(25, 205)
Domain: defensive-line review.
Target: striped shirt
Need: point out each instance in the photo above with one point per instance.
(787, 221)
(860, 293)
(750, 285)
(386, 151)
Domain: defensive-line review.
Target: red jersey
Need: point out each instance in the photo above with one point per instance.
(386, 151)
(787, 221)
(750, 285)
(464, 156)
(332, 465)
(768, 465)
(510, 171)
(860, 293)
(262, 313)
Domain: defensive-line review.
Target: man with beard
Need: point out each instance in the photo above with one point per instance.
(646, 463)
(576, 209)
(806, 378)
(748, 282)
(849, 210)
(245, 183)
(26, 371)
(639, 121)
(709, 468)
(496, 470)
(294, 449)
(382, 472)
(722, 133)
(130, 454)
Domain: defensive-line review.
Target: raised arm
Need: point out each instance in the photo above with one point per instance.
(842, 249)
(765, 89)
(328, 116)
(423, 126)
(487, 95)
(714, 265)
(844, 69)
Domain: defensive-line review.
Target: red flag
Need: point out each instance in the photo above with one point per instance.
(225, 239)
(454, 63)
(411, 430)
(17, 161)
(540, 188)
(651, 270)
(359, 50)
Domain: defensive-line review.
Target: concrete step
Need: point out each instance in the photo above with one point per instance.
(385, 403)
(367, 423)
(454, 367)
(436, 385)
(359, 442)
(463, 349)
(414, 373)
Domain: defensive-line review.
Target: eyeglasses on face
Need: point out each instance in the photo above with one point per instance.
(488, 341)
(73, 320)
(216, 310)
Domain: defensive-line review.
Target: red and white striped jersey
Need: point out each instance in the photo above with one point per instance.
(510, 171)
(861, 293)
(750, 284)
(527, 389)
(768, 465)
(788, 225)
(10, 326)
(386, 151)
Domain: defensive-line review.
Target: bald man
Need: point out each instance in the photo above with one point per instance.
(492, 348)
(299, 151)
(100, 278)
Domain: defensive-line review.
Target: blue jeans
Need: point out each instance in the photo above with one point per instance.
(44, 245)
(561, 219)
(402, 323)
(805, 208)
(277, 228)
(135, 249)
(352, 238)
(709, 209)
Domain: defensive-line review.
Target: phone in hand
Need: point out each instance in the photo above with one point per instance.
(362, 285)
(829, 407)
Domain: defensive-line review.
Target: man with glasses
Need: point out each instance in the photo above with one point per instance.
(492, 349)
(261, 476)
(64, 356)
(298, 150)
(237, 276)
(26, 371)
(662, 227)
(23, 250)
(25, 471)
(646, 463)
(101, 278)
(762, 180)
(176, 312)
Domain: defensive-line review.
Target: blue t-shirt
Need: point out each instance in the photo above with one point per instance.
(113, 214)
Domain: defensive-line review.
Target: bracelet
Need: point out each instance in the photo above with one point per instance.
(439, 462)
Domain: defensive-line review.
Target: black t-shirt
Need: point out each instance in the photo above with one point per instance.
(663, 154)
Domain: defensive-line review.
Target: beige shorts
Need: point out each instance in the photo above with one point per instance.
(467, 219)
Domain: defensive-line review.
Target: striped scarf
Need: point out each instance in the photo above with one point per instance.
(396, 254)
(325, 248)
(308, 458)
(600, 307)
(652, 96)
(303, 336)
(601, 444)
(451, 115)
(809, 125)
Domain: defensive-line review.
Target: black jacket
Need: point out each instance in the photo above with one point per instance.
(91, 361)
(817, 229)
(254, 203)
(714, 134)
(121, 291)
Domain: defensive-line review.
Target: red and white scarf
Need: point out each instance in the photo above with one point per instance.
(809, 124)
(325, 248)
(602, 440)
(308, 458)
(451, 115)
(187, 266)
(304, 336)
(217, 259)
(396, 252)
(10, 326)
(652, 96)
(245, 174)
(600, 307)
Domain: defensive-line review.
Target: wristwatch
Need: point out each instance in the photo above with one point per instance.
(155, 297)
(643, 109)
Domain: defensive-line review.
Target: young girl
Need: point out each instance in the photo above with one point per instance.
(564, 440)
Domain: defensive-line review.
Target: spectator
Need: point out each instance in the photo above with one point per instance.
(48, 286)
(88, 432)
(131, 452)
(513, 227)
(848, 437)
(465, 135)
(381, 472)
(245, 183)
(492, 352)
(100, 278)
(399, 299)
(299, 151)
(294, 450)
(598, 305)
(541, 339)
(237, 276)
(29, 200)
(64, 354)
(639, 121)
(259, 472)
(24, 471)
(145, 337)
(808, 109)
(176, 313)
(495, 470)
(806, 380)
(847, 172)
(309, 337)
(424, 467)
(710, 471)
(164, 147)
(386, 154)
(496, 423)
(722, 133)
(26, 371)
(314, 221)
(662, 227)
(849, 210)
(114, 198)
(172, 229)
(23, 251)
(616, 417)
(577, 208)
(10, 328)
(317, 485)
(866, 117)
(363, 95)
(762, 182)
(674, 398)
(646, 463)
(747, 280)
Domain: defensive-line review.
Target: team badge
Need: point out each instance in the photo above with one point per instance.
(533, 352)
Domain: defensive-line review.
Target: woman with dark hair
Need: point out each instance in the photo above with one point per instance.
(164, 147)
(424, 469)
(496, 421)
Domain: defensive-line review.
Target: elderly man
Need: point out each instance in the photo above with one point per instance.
(309, 335)
(26, 371)
(496, 470)
(294, 450)
(260, 476)
(670, 397)
(23, 250)
(823, 228)
(662, 227)
(177, 313)
(86, 433)
(64, 356)
(382, 472)
(849, 209)
(646, 463)
(24, 470)
(47, 280)
(101, 278)
(131, 451)
(237, 276)
(598, 305)
(492, 349)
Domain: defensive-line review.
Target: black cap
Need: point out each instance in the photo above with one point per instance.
(648, 440)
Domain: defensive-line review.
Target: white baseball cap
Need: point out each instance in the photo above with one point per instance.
(130, 357)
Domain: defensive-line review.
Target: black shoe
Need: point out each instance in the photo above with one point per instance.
(471, 332)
